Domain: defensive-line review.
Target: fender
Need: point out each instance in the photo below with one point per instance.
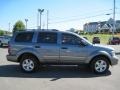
(97, 53)
(29, 50)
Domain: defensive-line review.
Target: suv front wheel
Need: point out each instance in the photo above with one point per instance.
(29, 63)
(100, 65)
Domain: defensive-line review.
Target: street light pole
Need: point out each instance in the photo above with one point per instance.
(40, 11)
(40, 19)
(114, 28)
(26, 20)
(47, 19)
(37, 20)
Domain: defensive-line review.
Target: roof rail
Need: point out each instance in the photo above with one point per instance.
(42, 30)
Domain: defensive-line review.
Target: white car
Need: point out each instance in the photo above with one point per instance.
(4, 40)
(1, 37)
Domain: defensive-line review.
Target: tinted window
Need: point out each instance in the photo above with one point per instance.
(24, 37)
(96, 38)
(70, 39)
(47, 37)
(115, 38)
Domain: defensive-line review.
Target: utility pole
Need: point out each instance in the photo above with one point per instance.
(26, 20)
(47, 19)
(114, 27)
(40, 11)
(9, 26)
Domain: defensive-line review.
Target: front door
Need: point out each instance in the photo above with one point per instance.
(71, 50)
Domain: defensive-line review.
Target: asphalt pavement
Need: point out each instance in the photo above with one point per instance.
(56, 77)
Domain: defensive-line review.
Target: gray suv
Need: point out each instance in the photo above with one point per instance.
(34, 48)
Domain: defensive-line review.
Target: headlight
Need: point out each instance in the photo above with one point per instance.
(112, 53)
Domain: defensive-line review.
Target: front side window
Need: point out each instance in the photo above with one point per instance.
(47, 37)
(69, 39)
(24, 37)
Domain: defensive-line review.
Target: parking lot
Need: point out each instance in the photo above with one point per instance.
(56, 77)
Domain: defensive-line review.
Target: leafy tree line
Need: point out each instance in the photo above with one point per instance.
(1, 32)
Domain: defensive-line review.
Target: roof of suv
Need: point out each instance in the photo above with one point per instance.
(44, 30)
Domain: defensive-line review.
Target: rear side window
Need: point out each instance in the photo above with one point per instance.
(47, 37)
(24, 37)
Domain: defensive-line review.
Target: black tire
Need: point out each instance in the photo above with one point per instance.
(1, 45)
(94, 65)
(35, 63)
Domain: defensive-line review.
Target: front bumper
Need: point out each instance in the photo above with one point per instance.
(11, 58)
(114, 60)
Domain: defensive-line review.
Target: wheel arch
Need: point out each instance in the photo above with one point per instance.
(27, 53)
(101, 55)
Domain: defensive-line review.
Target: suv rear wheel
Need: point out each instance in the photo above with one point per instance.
(1, 44)
(100, 65)
(29, 63)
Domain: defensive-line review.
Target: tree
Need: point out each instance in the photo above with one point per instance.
(19, 26)
(1, 32)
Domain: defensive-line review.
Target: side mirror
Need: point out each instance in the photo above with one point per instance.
(82, 43)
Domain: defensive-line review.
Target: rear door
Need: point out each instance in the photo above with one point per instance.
(47, 46)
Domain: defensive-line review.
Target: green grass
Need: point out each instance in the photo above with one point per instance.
(103, 37)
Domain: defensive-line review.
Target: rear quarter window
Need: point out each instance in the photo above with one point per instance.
(24, 37)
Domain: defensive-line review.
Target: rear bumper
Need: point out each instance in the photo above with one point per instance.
(11, 58)
(114, 60)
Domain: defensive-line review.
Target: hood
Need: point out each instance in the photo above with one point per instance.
(104, 47)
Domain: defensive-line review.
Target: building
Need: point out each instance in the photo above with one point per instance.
(104, 26)
(91, 27)
(117, 24)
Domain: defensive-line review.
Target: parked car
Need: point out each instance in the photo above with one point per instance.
(4, 40)
(1, 37)
(114, 40)
(96, 40)
(34, 48)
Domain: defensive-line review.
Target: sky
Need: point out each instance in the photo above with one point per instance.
(63, 14)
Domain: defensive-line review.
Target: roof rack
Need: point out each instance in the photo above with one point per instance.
(42, 30)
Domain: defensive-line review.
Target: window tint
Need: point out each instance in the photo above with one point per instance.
(115, 38)
(47, 37)
(70, 39)
(24, 37)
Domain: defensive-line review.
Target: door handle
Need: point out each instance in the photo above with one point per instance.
(37, 46)
(64, 48)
